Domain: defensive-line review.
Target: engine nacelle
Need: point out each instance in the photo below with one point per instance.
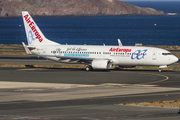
(101, 64)
(163, 66)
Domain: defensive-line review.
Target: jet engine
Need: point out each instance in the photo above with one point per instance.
(101, 64)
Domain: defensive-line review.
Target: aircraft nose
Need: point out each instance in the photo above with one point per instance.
(174, 59)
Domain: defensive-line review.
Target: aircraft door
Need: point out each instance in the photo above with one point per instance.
(154, 55)
(100, 54)
(58, 52)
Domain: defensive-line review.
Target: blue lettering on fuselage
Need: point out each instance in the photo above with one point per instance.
(138, 54)
(76, 55)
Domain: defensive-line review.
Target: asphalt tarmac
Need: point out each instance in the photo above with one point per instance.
(74, 94)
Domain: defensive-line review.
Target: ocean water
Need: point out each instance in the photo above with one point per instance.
(98, 30)
(170, 6)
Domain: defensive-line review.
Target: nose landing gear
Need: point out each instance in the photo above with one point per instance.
(161, 67)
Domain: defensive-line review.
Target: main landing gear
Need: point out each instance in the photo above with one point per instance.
(89, 68)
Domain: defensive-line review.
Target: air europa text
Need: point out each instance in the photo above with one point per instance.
(32, 26)
(119, 50)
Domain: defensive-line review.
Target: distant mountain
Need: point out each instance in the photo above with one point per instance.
(13, 8)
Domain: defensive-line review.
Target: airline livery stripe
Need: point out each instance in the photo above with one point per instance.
(77, 55)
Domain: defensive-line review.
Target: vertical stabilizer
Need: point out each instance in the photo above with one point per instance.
(33, 33)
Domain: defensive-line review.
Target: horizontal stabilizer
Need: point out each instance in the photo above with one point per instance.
(26, 48)
(31, 47)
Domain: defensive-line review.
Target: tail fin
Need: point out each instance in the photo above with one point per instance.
(33, 33)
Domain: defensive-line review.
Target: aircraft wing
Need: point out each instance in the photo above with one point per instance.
(77, 59)
(119, 42)
(68, 57)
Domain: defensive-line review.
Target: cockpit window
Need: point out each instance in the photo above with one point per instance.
(166, 54)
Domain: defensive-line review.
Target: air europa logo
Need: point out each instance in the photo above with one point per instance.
(33, 28)
(139, 54)
(119, 50)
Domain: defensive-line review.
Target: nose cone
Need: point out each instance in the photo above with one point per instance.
(174, 59)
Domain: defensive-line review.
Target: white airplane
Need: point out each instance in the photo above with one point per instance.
(93, 56)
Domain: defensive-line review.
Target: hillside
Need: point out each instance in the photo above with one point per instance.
(13, 8)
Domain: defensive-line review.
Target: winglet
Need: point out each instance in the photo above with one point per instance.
(119, 42)
(27, 50)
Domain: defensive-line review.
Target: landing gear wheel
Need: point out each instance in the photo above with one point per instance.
(160, 70)
(88, 68)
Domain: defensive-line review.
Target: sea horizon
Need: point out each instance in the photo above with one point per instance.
(96, 30)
